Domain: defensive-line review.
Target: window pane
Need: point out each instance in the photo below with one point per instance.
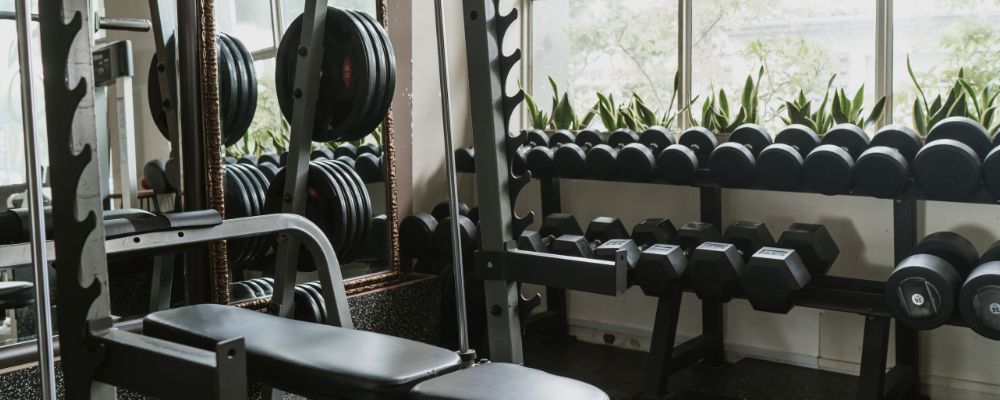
(940, 37)
(609, 46)
(12, 163)
(248, 20)
(801, 44)
(291, 9)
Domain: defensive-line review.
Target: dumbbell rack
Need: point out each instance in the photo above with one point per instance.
(500, 264)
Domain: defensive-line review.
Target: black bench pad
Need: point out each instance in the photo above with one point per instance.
(501, 381)
(16, 294)
(313, 360)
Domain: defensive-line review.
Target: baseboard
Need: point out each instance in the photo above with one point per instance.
(637, 338)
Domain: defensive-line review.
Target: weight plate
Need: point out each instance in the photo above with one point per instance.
(369, 148)
(656, 138)
(365, 201)
(848, 136)
(239, 291)
(269, 170)
(829, 170)
(677, 164)
(779, 167)
(258, 291)
(155, 173)
(921, 291)
(540, 162)
(271, 158)
(375, 115)
(322, 152)
(442, 210)
(753, 136)
(268, 289)
(991, 172)
(352, 201)
(601, 162)
(347, 62)
(621, 137)
(318, 299)
(346, 150)
(899, 137)
(732, 164)
(367, 167)
(965, 130)
(259, 192)
(561, 137)
(570, 161)
(800, 137)
(325, 205)
(979, 300)
(251, 100)
(242, 82)
(390, 56)
(535, 137)
(416, 236)
(237, 206)
(349, 162)
(153, 92)
(252, 201)
(636, 162)
(881, 172)
(306, 308)
(227, 85)
(700, 140)
(947, 169)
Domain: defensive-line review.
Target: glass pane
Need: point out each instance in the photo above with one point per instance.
(941, 37)
(291, 9)
(607, 46)
(250, 21)
(800, 44)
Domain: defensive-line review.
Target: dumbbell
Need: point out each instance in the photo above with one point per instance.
(600, 230)
(229, 160)
(553, 225)
(716, 268)
(465, 159)
(979, 299)
(922, 289)
(416, 241)
(948, 166)
(248, 159)
(661, 266)
(269, 170)
(468, 232)
(732, 164)
(678, 163)
(884, 169)
(441, 210)
(346, 150)
(779, 166)
(533, 138)
(991, 168)
(347, 161)
(645, 234)
(322, 153)
(570, 159)
(376, 245)
(637, 161)
(155, 177)
(777, 275)
(602, 159)
(369, 167)
(269, 158)
(540, 159)
(829, 168)
(368, 148)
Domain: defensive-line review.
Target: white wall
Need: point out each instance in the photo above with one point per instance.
(955, 362)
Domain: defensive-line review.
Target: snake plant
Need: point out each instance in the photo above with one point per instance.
(963, 100)
(717, 116)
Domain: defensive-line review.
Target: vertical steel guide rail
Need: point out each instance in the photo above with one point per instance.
(46, 362)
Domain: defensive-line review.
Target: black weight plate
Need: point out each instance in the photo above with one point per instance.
(390, 56)
(979, 300)
(677, 164)
(318, 299)
(239, 291)
(881, 172)
(269, 170)
(269, 158)
(259, 192)
(700, 140)
(561, 137)
(309, 309)
(540, 162)
(800, 137)
(947, 169)
(416, 236)
(965, 130)
(345, 150)
(153, 91)
(242, 81)
(442, 210)
(252, 201)
(570, 161)
(849, 136)
(237, 206)
(322, 152)
(636, 162)
(829, 170)
(368, 74)
(258, 290)
(325, 206)
(365, 200)
(601, 162)
(264, 284)
(354, 207)
(656, 138)
(621, 137)
(753, 136)
(346, 81)
(251, 100)
(899, 137)
(228, 83)
(732, 165)
(349, 162)
(588, 137)
(369, 148)
(155, 173)
(779, 167)
(374, 117)
(991, 172)
(535, 137)
(367, 167)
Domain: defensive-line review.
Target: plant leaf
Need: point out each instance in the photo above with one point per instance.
(876, 113)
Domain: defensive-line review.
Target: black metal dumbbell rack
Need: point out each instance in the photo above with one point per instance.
(500, 264)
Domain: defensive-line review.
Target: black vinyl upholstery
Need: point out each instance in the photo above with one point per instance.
(501, 381)
(16, 294)
(313, 360)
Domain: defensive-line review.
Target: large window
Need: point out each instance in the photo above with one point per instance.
(12, 165)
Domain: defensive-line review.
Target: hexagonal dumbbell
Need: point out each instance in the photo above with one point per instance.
(716, 268)
(775, 276)
(661, 265)
(553, 226)
(647, 233)
(600, 230)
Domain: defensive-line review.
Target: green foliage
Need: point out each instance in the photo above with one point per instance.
(845, 110)
(800, 111)
(842, 109)
(717, 116)
(539, 118)
(962, 100)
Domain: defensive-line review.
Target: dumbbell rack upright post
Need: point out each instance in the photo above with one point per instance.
(500, 264)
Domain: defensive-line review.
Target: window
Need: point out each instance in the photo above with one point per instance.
(248, 20)
(12, 163)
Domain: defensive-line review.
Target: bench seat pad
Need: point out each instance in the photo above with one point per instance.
(502, 381)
